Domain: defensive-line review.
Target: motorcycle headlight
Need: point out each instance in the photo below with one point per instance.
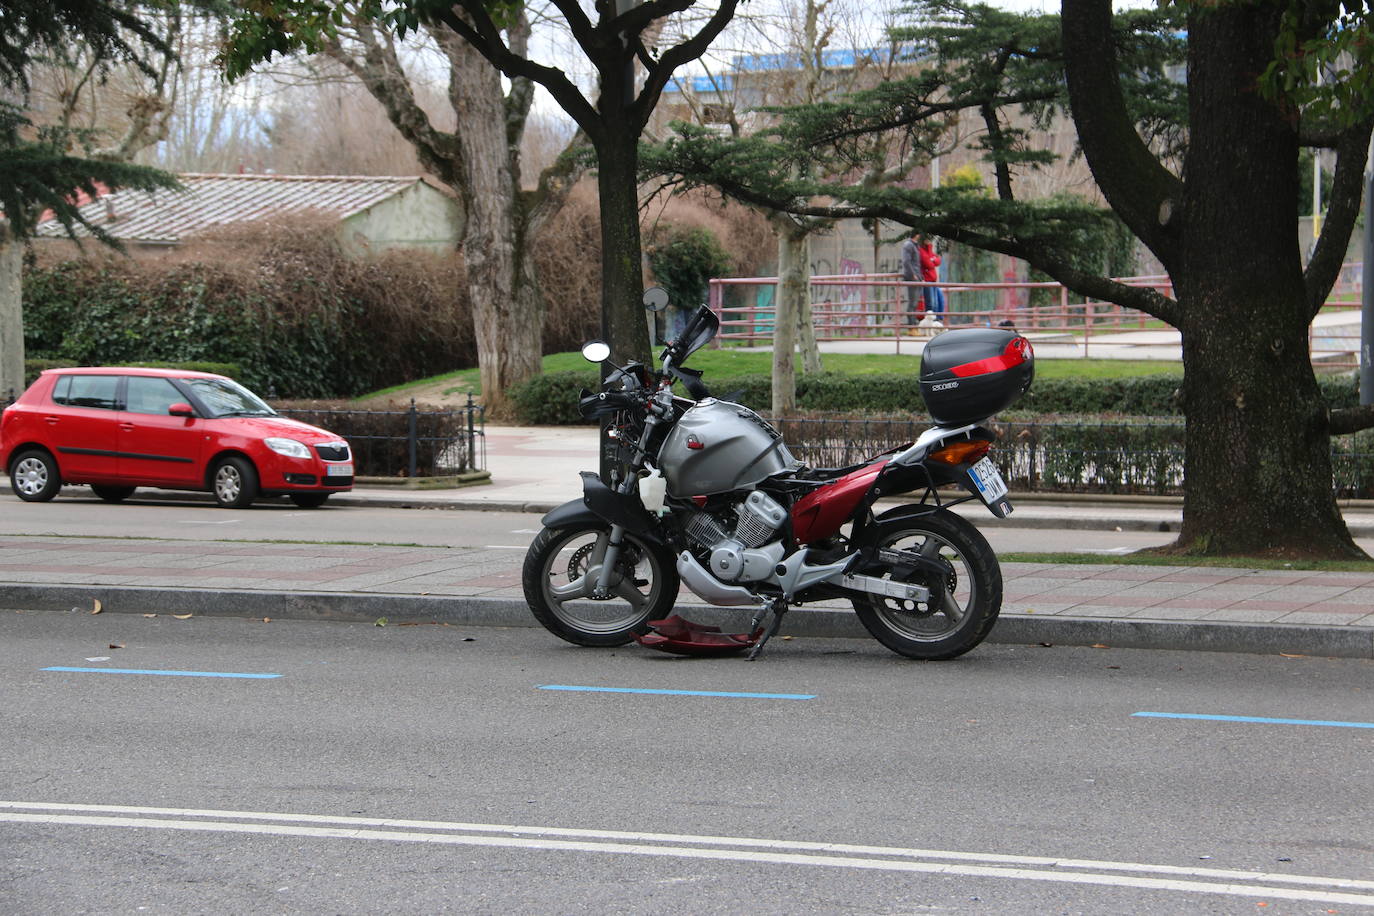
(288, 447)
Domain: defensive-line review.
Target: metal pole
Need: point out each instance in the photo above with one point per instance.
(1367, 296)
(472, 439)
(410, 436)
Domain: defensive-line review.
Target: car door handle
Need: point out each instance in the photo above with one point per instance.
(127, 427)
(51, 421)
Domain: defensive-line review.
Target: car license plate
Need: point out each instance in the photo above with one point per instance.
(338, 470)
(988, 480)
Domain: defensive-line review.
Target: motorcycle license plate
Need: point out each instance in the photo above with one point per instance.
(988, 481)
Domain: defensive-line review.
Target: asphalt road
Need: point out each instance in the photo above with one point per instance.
(86, 516)
(427, 769)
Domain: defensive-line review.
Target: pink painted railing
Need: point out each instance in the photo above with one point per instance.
(873, 307)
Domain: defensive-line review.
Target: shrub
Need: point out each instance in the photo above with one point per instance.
(684, 261)
(280, 301)
(33, 368)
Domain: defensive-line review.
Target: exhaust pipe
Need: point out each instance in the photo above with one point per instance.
(710, 589)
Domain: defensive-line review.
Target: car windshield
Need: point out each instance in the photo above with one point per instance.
(223, 398)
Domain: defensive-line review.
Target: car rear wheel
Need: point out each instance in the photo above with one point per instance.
(235, 483)
(309, 500)
(34, 476)
(112, 494)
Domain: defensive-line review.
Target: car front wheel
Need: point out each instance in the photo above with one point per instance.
(235, 483)
(34, 476)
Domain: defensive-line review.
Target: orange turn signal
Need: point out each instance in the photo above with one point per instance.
(965, 452)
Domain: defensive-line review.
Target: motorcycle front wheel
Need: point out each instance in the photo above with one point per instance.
(561, 571)
(971, 597)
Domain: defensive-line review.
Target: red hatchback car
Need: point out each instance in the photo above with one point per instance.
(121, 428)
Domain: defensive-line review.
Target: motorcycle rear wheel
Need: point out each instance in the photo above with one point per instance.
(936, 630)
(558, 586)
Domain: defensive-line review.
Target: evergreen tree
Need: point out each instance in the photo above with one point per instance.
(45, 168)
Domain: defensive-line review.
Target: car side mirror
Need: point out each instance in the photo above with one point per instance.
(181, 410)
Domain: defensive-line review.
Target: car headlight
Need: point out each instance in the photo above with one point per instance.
(288, 447)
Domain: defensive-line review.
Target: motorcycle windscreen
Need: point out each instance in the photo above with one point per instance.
(700, 331)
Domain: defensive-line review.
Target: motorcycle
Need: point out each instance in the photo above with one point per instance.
(704, 492)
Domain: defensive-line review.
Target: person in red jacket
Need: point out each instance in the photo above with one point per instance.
(930, 273)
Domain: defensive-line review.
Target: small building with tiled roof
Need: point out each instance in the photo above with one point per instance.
(374, 212)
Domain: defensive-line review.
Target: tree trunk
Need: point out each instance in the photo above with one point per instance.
(1257, 464)
(11, 316)
(507, 307)
(622, 269)
(807, 337)
(793, 290)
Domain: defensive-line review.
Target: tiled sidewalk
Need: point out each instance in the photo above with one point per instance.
(1191, 593)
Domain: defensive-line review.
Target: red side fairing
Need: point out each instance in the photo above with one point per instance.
(824, 511)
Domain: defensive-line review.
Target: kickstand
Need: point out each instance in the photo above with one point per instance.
(777, 607)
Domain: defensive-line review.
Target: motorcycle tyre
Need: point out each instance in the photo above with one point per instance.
(985, 573)
(537, 563)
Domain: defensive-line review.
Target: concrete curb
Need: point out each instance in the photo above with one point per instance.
(1011, 628)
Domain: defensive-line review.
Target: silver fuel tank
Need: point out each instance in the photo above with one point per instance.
(718, 446)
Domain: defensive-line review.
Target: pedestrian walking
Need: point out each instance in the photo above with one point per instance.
(911, 272)
(930, 272)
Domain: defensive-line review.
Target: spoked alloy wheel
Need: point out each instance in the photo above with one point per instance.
(235, 483)
(34, 476)
(561, 571)
(960, 614)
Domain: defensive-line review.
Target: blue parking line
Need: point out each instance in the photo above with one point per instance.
(1260, 719)
(165, 673)
(684, 693)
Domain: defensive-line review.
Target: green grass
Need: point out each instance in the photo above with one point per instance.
(725, 363)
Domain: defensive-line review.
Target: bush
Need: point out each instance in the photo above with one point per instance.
(36, 367)
(684, 262)
(552, 399)
(281, 301)
(33, 368)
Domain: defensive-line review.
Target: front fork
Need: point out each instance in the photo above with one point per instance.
(606, 577)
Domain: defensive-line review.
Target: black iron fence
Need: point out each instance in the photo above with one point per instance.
(1138, 456)
(402, 442)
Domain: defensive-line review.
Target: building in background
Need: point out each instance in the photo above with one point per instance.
(373, 213)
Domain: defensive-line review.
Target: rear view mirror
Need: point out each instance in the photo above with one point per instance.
(655, 299)
(181, 410)
(596, 351)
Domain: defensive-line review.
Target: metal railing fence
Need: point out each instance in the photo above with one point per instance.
(873, 307)
(410, 442)
(1143, 456)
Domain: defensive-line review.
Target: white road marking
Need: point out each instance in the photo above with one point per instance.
(507, 547)
(227, 521)
(746, 849)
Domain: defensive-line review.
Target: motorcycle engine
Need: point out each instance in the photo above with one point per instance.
(743, 555)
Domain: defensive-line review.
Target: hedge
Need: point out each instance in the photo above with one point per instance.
(1069, 454)
(551, 399)
(36, 367)
(1064, 448)
(297, 317)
